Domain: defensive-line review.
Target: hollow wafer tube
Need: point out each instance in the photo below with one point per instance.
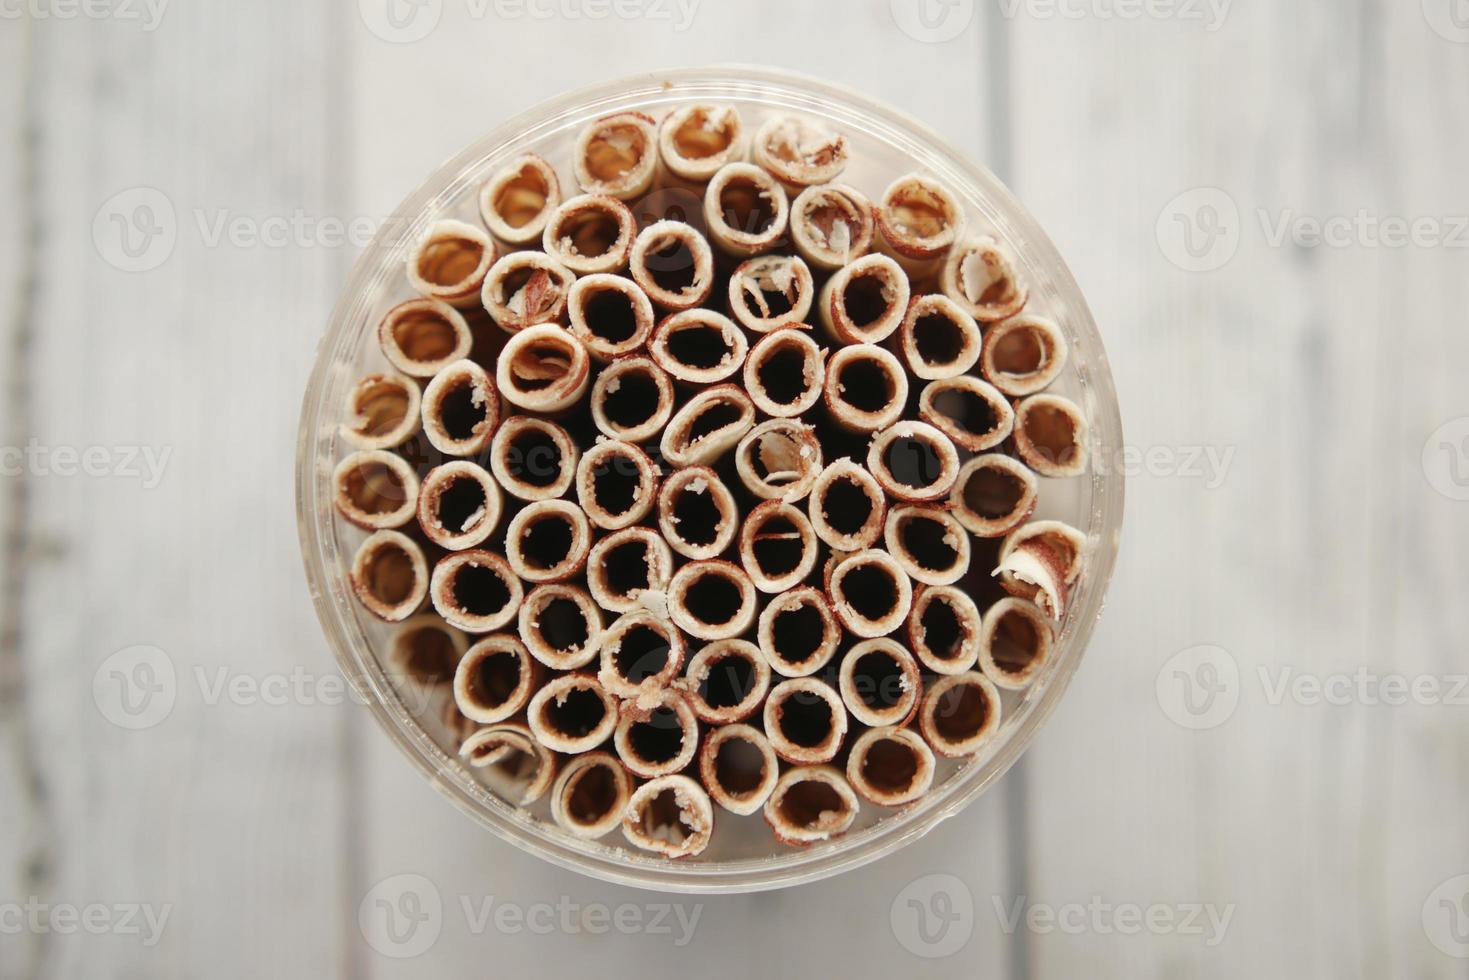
(890, 766)
(980, 275)
(532, 458)
(972, 413)
(1051, 435)
(831, 225)
(561, 625)
(919, 219)
(847, 507)
(779, 459)
(928, 542)
(738, 767)
(495, 679)
(1015, 644)
(960, 714)
(617, 155)
(476, 591)
(944, 629)
(375, 489)
(778, 547)
(712, 600)
(671, 816)
(517, 200)
(797, 632)
(938, 339)
(390, 575)
(870, 593)
(696, 140)
(630, 569)
(771, 292)
(548, 541)
(641, 654)
(524, 289)
(423, 336)
(572, 714)
(610, 315)
(1023, 355)
(880, 683)
(993, 495)
(657, 735)
(616, 484)
(461, 409)
(450, 262)
(746, 210)
(459, 505)
(674, 264)
(382, 411)
(810, 804)
(426, 650)
(698, 347)
(543, 369)
(632, 400)
(711, 424)
(866, 388)
(510, 750)
(805, 720)
(590, 794)
(914, 462)
(591, 233)
(726, 681)
(697, 514)
(799, 151)
(864, 302)
(785, 373)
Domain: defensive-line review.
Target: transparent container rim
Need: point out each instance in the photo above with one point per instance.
(332, 600)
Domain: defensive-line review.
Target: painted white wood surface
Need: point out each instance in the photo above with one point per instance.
(1324, 548)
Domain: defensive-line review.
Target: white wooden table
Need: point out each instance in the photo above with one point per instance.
(1317, 542)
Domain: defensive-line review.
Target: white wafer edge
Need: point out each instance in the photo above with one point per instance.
(590, 813)
(445, 483)
(517, 199)
(512, 751)
(515, 677)
(811, 804)
(696, 140)
(669, 815)
(382, 590)
(383, 411)
(450, 261)
(511, 464)
(444, 593)
(460, 392)
(375, 489)
(617, 155)
(715, 772)
(877, 776)
(421, 337)
(590, 233)
(779, 459)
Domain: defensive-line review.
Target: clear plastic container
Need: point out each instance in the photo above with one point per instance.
(885, 143)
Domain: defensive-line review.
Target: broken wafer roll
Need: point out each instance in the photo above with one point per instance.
(972, 413)
(450, 262)
(778, 548)
(831, 225)
(798, 633)
(476, 591)
(711, 424)
(382, 411)
(870, 593)
(616, 484)
(375, 489)
(913, 461)
(426, 651)
(993, 495)
(572, 714)
(510, 750)
(770, 292)
(632, 400)
(459, 505)
(928, 542)
(726, 681)
(495, 679)
(805, 720)
(779, 460)
(959, 714)
(461, 409)
(617, 155)
(697, 514)
(696, 140)
(669, 815)
(590, 794)
(561, 625)
(698, 347)
(590, 233)
(610, 315)
(674, 264)
(548, 541)
(1023, 355)
(890, 766)
(1015, 644)
(1035, 568)
(980, 276)
(810, 804)
(533, 459)
(640, 655)
(785, 373)
(712, 600)
(746, 210)
(657, 735)
(630, 569)
(944, 629)
(938, 339)
(866, 388)
(739, 768)
(390, 575)
(880, 683)
(423, 336)
(1051, 435)
(865, 301)
(799, 151)
(524, 289)
(918, 218)
(848, 507)
(517, 200)
(543, 369)
(1067, 542)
